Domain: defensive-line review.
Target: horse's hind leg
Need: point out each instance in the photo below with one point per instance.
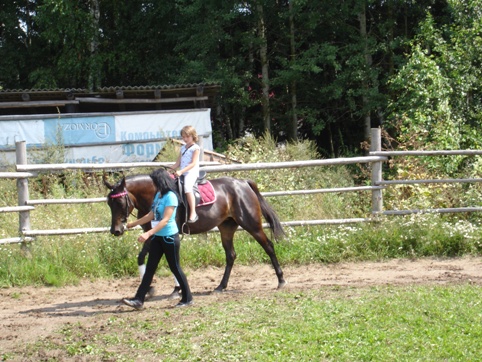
(227, 230)
(268, 247)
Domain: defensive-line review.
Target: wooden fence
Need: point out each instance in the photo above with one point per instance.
(375, 159)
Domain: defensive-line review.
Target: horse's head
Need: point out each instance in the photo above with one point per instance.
(120, 205)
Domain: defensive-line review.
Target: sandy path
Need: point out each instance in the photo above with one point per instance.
(27, 314)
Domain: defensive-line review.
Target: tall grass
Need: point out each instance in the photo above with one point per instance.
(60, 260)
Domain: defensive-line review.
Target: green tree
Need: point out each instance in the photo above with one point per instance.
(70, 31)
(138, 41)
(299, 68)
(438, 91)
(20, 43)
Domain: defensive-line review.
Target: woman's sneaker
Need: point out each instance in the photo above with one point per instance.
(134, 303)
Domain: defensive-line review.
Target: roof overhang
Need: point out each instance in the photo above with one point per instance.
(108, 99)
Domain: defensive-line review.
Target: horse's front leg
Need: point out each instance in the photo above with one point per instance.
(141, 257)
(227, 233)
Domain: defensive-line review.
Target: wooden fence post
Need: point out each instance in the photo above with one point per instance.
(377, 196)
(22, 191)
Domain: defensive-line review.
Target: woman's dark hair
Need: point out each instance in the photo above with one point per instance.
(163, 181)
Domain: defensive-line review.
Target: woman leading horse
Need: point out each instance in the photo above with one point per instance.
(238, 204)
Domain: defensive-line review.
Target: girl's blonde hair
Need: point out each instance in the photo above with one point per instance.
(190, 131)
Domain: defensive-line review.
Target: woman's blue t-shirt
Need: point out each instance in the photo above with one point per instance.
(158, 207)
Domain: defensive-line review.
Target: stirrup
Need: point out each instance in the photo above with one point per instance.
(188, 229)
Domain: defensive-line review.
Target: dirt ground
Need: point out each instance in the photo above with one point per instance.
(29, 314)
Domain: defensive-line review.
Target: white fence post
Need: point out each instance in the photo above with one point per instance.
(200, 143)
(377, 197)
(22, 190)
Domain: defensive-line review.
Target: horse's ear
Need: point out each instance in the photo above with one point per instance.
(123, 183)
(106, 183)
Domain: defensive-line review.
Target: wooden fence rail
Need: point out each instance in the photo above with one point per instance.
(375, 159)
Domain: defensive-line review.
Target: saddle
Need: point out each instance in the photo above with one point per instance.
(203, 194)
(203, 190)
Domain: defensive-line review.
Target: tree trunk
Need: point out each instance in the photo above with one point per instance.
(222, 118)
(293, 125)
(391, 16)
(93, 79)
(263, 54)
(368, 63)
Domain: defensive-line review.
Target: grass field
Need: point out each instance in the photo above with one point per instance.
(382, 323)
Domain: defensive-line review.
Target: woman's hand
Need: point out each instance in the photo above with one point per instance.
(178, 173)
(143, 237)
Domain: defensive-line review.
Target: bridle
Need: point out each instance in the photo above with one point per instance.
(128, 200)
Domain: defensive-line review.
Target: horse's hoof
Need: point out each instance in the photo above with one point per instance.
(176, 293)
(218, 290)
(282, 284)
(151, 293)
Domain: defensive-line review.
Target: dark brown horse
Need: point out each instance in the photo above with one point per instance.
(238, 203)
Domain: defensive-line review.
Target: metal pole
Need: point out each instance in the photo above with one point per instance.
(200, 142)
(377, 197)
(22, 191)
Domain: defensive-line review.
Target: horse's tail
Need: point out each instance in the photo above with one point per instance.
(268, 213)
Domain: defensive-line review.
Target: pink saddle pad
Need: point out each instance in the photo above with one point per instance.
(208, 196)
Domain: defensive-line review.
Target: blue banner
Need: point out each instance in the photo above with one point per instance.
(80, 130)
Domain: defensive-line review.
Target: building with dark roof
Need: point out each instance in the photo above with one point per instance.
(108, 99)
